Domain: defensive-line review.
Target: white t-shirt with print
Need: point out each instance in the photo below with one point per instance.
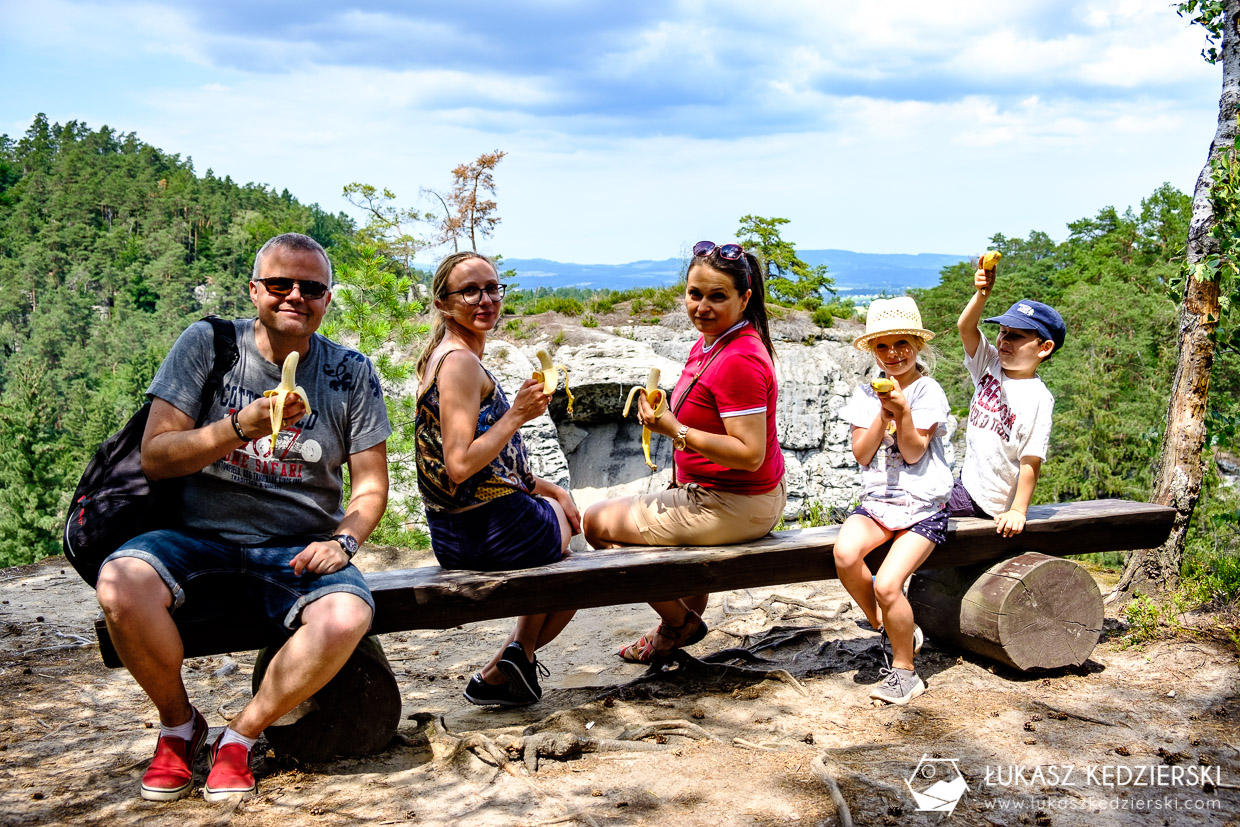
(895, 492)
(1008, 419)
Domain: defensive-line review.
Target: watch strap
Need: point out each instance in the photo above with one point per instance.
(347, 542)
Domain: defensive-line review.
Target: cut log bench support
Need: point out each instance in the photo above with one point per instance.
(1030, 611)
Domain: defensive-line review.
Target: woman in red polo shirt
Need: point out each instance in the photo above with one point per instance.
(729, 472)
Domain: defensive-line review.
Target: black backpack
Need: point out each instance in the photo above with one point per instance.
(114, 501)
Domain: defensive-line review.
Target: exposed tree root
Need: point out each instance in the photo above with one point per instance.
(818, 766)
(508, 752)
(564, 745)
(1076, 715)
(690, 670)
(679, 727)
(580, 815)
(768, 606)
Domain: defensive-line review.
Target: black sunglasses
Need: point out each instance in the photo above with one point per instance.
(282, 287)
(473, 293)
(730, 252)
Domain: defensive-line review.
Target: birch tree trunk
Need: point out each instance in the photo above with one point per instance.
(1181, 463)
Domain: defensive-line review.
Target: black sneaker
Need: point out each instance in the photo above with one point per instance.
(522, 675)
(481, 693)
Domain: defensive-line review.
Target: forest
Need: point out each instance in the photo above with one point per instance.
(109, 247)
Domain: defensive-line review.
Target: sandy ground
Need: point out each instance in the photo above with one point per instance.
(76, 736)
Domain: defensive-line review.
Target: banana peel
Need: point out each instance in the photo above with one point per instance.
(288, 384)
(550, 377)
(657, 400)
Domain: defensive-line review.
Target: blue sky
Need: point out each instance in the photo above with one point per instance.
(635, 129)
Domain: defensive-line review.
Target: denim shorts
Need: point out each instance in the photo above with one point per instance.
(933, 528)
(516, 531)
(208, 577)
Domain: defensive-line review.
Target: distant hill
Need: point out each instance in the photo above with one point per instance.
(854, 273)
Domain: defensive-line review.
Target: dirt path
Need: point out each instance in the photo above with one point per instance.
(75, 736)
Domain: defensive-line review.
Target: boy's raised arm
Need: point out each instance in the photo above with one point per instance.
(971, 316)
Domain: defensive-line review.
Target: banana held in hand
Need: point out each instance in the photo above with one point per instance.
(657, 400)
(288, 384)
(550, 377)
(990, 260)
(885, 386)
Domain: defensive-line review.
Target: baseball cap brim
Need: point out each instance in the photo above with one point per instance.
(1020, 322)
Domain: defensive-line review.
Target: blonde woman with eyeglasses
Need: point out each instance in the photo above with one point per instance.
(485, 508)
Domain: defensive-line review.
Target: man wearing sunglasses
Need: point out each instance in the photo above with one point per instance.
(264, 537)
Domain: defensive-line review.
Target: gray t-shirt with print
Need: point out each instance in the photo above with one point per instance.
(257, 495)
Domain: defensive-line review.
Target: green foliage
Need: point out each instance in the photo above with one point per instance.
(588, 320)
(814, 514)
(29, 472)
(1210, 15)
(1111, 382)
(109, 248)
(388, 228)
(373, 308)
(789, 280)
(518, 329)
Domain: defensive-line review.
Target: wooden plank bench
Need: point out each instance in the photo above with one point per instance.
(431, 598)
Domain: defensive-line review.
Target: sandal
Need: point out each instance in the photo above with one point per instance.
(643, 649)
(638, 651)
(683, 635)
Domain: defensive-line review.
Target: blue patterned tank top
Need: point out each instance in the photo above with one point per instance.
(506, 474)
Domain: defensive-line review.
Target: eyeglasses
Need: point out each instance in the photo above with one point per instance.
(729, 251)
(282, 287)
(473, 293)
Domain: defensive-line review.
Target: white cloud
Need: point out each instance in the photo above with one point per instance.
(868, 125)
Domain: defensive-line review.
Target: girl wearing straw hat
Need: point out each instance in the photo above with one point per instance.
(899, 438)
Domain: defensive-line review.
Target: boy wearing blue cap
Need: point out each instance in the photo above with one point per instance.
(1010, 414)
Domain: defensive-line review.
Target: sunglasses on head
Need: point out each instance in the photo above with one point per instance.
(729, 252)
(282, 287)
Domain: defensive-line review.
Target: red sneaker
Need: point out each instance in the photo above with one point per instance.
(171, 772)
(230, 772)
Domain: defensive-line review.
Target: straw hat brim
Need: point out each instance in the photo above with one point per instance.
(920, 332)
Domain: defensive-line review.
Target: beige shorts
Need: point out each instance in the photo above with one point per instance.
(694, 516)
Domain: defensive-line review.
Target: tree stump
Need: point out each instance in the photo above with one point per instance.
(1029, 612)
(356, 713)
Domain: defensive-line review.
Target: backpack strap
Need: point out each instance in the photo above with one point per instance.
(226, 355)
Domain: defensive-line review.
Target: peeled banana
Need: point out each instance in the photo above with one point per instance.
(989, 260)
(885, 386)
(657, 400)
(550, 377)
(288, 384)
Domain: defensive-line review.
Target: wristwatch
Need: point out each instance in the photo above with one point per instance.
(679, 440)
(348, 543)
